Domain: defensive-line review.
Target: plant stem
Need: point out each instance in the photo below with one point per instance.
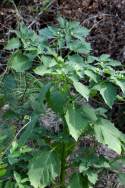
(63, 162)
(19, 17)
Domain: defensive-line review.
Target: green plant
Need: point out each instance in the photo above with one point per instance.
(55, 69)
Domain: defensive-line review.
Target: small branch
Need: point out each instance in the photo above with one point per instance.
(17, 11)
(43, 10)
(21, 130)
(16, 136)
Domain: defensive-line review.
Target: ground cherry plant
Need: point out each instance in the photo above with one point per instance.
(54, 69)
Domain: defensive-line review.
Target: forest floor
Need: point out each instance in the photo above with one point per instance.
(105, 19)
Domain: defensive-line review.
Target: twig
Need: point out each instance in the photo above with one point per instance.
(17, 11)
(43, 10)
(17, 136)
(96, 16)
(21, 129)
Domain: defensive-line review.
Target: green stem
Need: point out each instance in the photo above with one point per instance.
(63, 163)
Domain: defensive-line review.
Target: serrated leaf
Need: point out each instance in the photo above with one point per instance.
(113, 63)
(93, 161)
(62, 22)
(109, 93)
(19, 62)
(44, 168)
(79, 47)
(26, 34)
(82, 89)
(104, 58)
(91, 59)
(47, 33)
(80, 32)
(12, 44)
(76, 123)
(107, 134)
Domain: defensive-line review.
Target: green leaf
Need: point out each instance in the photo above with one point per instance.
(42, 70)
(57, 100)
(104, 58)
(13, 43)
(19, 62)
(101, 111)
(89, 113)
(121, 84)
(113, 63)
(91, 59)
(82, 89)
(80, 32)
(121, 178)
(92, 176)
(43, 169)
(9, 83)
(93, 76)
(77, 124)
(17, 177)
(109, 93)
(75, 181)
(90, 161)
(75, 58)
(61, 21)
(48, 61)
(47, 33)
(27, 35)
(107, 134)
(79, 47)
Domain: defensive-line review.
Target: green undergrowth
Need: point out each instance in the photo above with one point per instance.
(56, 69)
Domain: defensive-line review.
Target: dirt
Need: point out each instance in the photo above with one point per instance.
(105, 18)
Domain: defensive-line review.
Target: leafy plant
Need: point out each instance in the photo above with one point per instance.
(55, 69)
